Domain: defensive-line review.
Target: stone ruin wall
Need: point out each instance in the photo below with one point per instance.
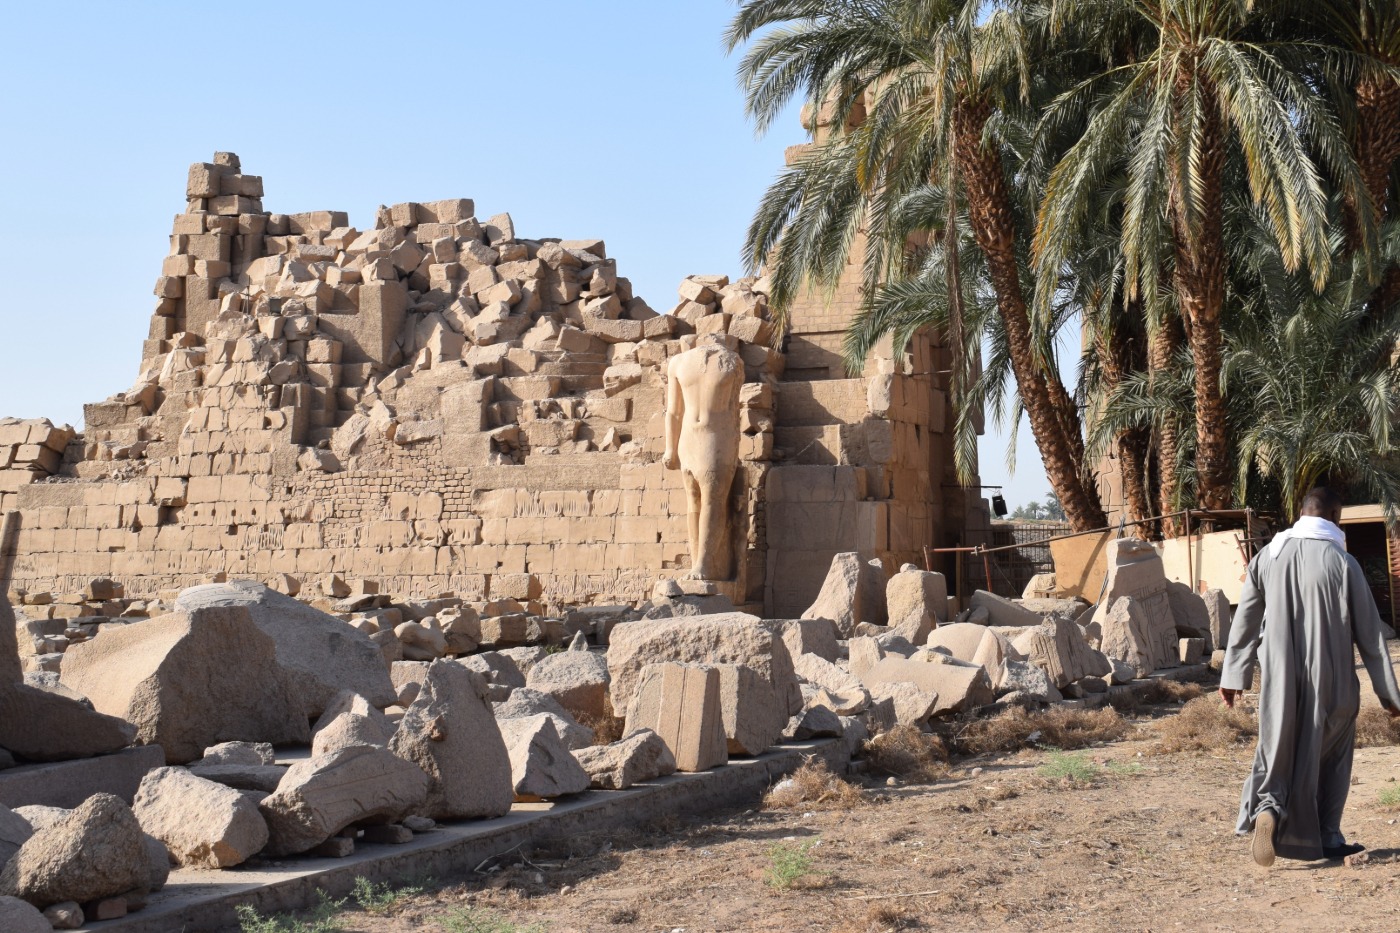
(442, 406)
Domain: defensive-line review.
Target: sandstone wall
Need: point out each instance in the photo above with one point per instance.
(443, 406)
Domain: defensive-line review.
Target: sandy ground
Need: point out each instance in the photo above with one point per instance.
(1145, 841)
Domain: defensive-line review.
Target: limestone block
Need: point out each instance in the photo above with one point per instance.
(578, 680)
(811, 636)
(726, 638)
(681, 704)
(326, 654)
(1218, 611)
(841, 597)
(202, 824)
(641, 756)
(963, 640)
(349, 719)
(1138, 640)
(912, 705)
(1002, 611)
(846, 694)
(1189, 611)
(1041, 586)
(15, 830)
(451, 733)
(238, 753)
(541, 766)
(864, 651)
(959, 686)
(17, 916)
(524, 702)
(1027, 680)
(1058, 647)
(262, 778)
(188, 680)
(94, 851)
(916, 601)
(318, 797)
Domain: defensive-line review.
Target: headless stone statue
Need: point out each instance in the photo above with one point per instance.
(702, 441)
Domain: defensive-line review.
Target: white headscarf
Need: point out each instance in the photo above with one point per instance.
(1309, 526)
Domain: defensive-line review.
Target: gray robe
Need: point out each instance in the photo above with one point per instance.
(1300, 613)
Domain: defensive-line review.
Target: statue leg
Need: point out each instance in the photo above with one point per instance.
(692, 515)
(710, 559)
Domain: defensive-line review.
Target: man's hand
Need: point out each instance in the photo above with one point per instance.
(1228, 696)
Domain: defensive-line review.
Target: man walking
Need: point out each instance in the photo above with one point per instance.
(1304, 604)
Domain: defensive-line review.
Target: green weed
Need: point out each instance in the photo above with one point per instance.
(788, 864)
(481, 920)
(323, 918)
(1069, 768)
(1390, 798)
(380, 898)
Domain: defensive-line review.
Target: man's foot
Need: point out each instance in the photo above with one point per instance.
(1262, 847)
(1343, 850)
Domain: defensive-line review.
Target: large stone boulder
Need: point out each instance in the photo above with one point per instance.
(17, 916)
(960, 640)
(15, 830)
(917, 602)
(842, 598)
(1002, 611)
(1145, 641)
(349, 719)
(326, 654)
(524, 702)
(541, 766)
(844, 691)
(238, 753)
(1134, 569)
(577, 679)
(1190, 612)
(752, 720)
(641, 756)
(201, 823)
(912, 705)
(451, 734)
(810, 636)
(318, 797)
(44, 726)
(1218, 612)
(189, 680)
(730, 638)
(1058, 647)
(96, 850)
(958, 685)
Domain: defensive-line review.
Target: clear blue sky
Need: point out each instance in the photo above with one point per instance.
(617, 119)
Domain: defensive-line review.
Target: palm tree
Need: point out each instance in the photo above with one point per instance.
(1314, 380)
(1209, 86)
(939, 88)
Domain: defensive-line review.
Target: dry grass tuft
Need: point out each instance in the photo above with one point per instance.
(813, 786)
(1056, 727)
(1374, 726)
(881, 918)
(1157, 692)
(1205, 724)
(607, 728)
(905, 752)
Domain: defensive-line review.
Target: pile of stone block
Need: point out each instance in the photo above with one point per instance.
(903, 656)
(30, 450)
(48, 623)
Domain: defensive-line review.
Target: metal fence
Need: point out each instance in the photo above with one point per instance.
(1027, 554)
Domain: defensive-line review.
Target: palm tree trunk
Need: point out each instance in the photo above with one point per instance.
(1199, 277)
(1120, 352)
(1051, 411)
(1377, 145)
(1161, 349)
(1377, 150)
